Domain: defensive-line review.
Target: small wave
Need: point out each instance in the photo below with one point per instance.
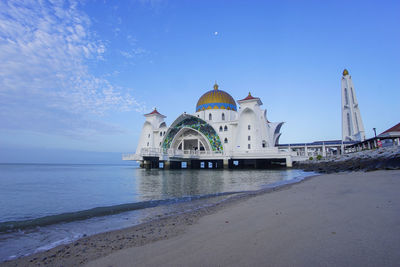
(11, 226)
(55, 244)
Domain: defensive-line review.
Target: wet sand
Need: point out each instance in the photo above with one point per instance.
(343, 219)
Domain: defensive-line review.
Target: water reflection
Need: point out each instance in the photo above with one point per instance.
(161, 184)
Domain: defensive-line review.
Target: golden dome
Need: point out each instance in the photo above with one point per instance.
(216, 99)
(345, 72)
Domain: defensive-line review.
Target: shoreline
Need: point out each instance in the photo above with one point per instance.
(91, 247)
(347, 219)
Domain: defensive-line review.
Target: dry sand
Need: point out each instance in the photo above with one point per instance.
(344, 219)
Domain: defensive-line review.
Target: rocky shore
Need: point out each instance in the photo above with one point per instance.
(369, 160)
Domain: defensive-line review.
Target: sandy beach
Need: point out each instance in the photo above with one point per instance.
(341, 219)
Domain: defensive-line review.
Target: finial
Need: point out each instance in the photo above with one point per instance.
(215, 86)
(249, 94)
(345, 72)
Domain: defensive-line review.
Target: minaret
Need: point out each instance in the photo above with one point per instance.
(352, 125)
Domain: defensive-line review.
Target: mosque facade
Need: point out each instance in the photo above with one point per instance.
(219, 134)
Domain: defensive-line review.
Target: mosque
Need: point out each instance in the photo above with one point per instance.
(220, 134)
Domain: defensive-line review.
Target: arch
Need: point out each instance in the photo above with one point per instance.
(163, 124)
(201, 126)
(226, 140)
(277, 134)
(226, 128)
(223, 116)
(177, 143)
(220, 128)
(210, 117)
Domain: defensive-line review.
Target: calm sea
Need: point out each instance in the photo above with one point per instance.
(43, 206)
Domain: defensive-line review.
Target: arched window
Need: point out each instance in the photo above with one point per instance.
(348, 123)
(147, 143)
(148, 136)
(160, 133)
(210, 117)
(226, 128)
(248, 127)
(352, 95)
(226, 140)
(248, 146)
(220, 128)
(223, 116)
(346, 96)
(355, 116)
(264, 144)
(164, 133)
(248, 138)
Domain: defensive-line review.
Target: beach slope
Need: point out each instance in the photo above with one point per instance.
(341, 219)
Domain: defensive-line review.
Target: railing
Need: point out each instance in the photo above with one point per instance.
(171, 153)
(158, 152)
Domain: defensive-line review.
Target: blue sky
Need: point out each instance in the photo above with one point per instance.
(79, 75)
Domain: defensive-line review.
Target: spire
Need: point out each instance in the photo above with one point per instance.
(345, 72)
(215, 86)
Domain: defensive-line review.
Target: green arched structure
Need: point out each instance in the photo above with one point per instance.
(189, 121)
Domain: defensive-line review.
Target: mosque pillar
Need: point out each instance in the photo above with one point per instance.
(226, 164)
(167, 165)
(147, 164)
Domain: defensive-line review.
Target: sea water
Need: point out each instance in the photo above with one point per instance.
(42, 206)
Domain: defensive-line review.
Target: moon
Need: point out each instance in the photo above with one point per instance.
(215, 33)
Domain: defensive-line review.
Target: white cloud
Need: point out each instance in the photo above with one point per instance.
(133, 52)
(44, 50)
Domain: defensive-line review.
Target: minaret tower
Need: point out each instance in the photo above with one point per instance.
(352, 125)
